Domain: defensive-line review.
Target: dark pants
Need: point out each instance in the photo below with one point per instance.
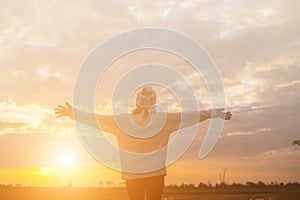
(151, 187)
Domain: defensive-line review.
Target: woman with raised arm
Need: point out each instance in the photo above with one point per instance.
(144, 175)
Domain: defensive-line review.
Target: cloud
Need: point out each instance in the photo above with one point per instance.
(55, 38)
(290, 84)
(31, 119)
(7, 125)
(249, 132)
(40, 28)
(29, 114)
(46, 73)
(148, 13)
(283, 153)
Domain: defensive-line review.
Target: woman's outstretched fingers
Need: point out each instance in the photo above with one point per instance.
(60, 106)
(57, 109)
(68, 105)
(61, 111)
(228, 115)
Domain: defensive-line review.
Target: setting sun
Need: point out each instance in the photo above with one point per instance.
(66, 160)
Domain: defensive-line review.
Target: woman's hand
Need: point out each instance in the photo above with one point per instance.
(64, 111)
(219, 113)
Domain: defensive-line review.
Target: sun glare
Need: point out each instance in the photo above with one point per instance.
(66, 160)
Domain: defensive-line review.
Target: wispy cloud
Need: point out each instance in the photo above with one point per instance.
(281, 154)
(28, 114)
(283, 85)
(248, 133)
(30, 119)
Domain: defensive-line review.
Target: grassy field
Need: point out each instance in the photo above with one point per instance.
(64, 193)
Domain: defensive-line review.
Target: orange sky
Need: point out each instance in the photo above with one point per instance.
(255, 45)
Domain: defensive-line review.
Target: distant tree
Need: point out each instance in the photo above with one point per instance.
(183, 186)
(274, 183)
(296, 142)
(122, 184)
(294, 185)
(191, 186)
(110, 184)
(202, 186)
(101, 184)
(174, 186)
(237, 185)
(281, 184)
(261, 184)
(18, 185)
(250, 184)
(187, 186)
(209, 184)
(69, 184)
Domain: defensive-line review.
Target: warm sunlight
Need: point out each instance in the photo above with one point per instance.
(44, 171)
(160, 100)
(66, 160)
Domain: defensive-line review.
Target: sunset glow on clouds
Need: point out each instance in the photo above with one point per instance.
(255, 45)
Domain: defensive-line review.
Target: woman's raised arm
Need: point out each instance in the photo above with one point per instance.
(103, 122)
(180, 120)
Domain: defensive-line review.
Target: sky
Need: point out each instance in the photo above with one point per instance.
(255, 45)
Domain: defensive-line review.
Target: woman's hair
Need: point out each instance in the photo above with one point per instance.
(137, 111)
(145, 100)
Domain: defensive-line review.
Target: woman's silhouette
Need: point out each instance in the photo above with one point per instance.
(139, 183)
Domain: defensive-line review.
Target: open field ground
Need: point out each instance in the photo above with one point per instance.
(64, 193)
